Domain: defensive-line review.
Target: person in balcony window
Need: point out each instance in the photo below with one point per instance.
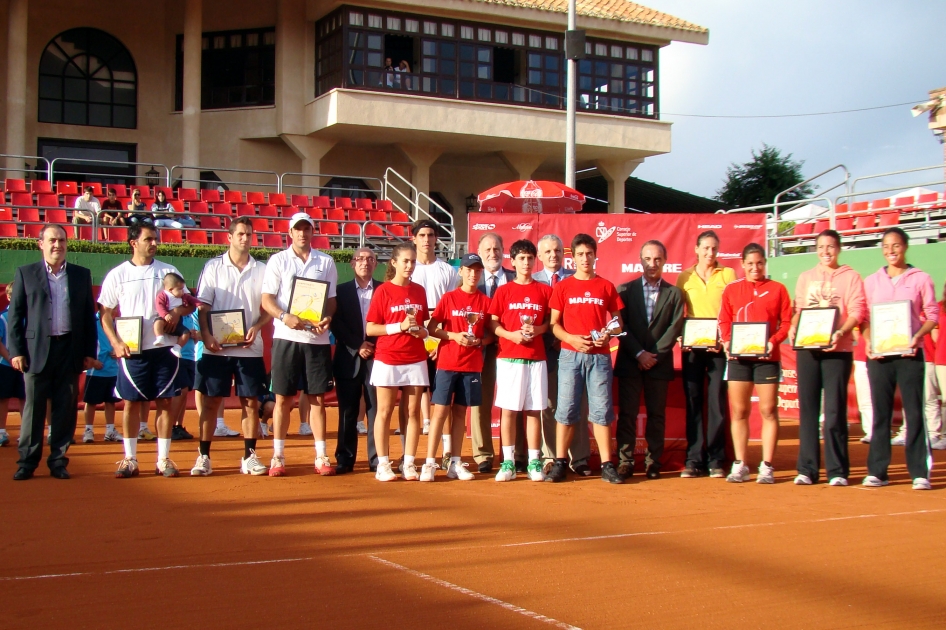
(138, 211)
(164, 214)
(388, 72)
(86, 207)
(405, 67)
(111, 213)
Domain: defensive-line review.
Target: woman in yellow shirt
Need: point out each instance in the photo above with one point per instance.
(702, 286)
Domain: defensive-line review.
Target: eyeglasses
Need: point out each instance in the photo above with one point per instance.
(364, 259)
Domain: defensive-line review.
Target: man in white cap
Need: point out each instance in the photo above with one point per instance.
(301, 350)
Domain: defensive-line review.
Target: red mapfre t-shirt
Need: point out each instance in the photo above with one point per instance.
(451, 312)
(585, 305)
(387, 307)
(510, 302)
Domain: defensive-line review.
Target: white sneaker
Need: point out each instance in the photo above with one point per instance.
(766, 474)
(837, 481)
(865, 439)
(88, 437)
(252, 465)
(874, 482)
(361, 428)
(428, 472)
(113, 436)
(223, 430)
(739, 473)
(426, 427)
(410, 472)
(176, 351)
(801, 480)
(939, 445)
(384, 472)
(202, 468)
(458, 470)
(263, 430)
(160, 340)
(899, 440)
(166, 467)
(921, 484)
(507, 471)
(305, 429)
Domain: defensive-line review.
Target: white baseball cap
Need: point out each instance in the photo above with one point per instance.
(299, 217)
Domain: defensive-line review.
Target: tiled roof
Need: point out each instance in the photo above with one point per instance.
(621, 10)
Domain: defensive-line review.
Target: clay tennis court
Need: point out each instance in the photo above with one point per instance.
(232, 551)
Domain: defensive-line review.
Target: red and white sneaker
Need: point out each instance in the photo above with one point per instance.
(323, 466)
(277, 466)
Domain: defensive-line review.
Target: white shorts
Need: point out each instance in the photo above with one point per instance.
(521, 386)
(410, 375)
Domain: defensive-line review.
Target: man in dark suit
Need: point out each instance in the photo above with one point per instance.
(490, 250)
(354, 357)
(52, 339)
(653, 319)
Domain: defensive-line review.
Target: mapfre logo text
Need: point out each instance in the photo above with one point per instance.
(484, 226)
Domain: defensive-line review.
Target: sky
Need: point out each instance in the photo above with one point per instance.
(800, 56)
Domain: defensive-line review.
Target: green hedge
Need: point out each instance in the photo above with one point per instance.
(181, 250)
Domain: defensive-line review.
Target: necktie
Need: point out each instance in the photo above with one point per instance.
(554, 279)
(490, 286)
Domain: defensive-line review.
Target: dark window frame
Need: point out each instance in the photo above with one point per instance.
(55, 104)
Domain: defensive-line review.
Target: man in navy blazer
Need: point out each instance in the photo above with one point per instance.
(52, 339)
(354, 357)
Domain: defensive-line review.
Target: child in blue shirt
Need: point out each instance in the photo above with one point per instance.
(100, 388)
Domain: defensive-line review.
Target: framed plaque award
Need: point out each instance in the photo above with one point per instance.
(815, 328)
(307, 299)
(128, 330)
(749, 340)
(891, 328)
(228, 327)
(700, 333)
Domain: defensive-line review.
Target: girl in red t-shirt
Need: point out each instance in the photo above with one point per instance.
(398, 309)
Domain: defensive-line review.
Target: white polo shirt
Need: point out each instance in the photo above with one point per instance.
(437, 278)
(280, 270)
(132, 289)
(223, 287)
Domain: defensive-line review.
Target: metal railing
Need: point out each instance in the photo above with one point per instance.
(894, 173)
(216, 169)
(412, 201)
(51, 170)
(847, 178)
(35, 170)
(283, 185)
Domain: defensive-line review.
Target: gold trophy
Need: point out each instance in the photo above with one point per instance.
(527, 320)
(471, 319)
(411, 310)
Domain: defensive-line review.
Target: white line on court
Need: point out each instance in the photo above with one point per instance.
(474, 594)
(245, 563)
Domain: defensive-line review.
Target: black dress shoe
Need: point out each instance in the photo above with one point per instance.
(59, 472)
(22, 474)
(341, 469)
(485, 466)
(653, 472)
(522, 467)
(583, 469)
(373, 468)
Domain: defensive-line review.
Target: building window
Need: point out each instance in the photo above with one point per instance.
(620, 87)
(238, 69)
(87, 77)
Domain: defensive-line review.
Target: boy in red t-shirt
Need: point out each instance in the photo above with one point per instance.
(585, 308)
(461, 313)
(519, 317)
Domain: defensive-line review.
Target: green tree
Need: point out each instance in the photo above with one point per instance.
(758, 181)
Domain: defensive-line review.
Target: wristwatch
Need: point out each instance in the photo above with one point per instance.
(282, 315)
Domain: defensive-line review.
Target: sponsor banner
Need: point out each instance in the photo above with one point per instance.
(620, 236)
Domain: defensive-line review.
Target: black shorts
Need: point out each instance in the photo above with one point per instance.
(457, 388)
(100, 389)
(11, 383)
(749, 371)
(432, 375)
(185, 375)
(215, 374)
(148, 376)
(302, 366)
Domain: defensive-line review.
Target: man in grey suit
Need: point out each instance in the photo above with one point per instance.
(52, 339)
(552, 256)
(354, 357)
(490, 250)
(653, 319)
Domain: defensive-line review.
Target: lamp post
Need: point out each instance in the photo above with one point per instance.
(471, 203)
(574, 50)
(151, 177)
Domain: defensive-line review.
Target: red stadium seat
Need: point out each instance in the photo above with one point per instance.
(821, 225)
(196, 237)
(23, 199)
(246, 210)
(260, 225)
(168, 192)
(268, 211)
(256, 198)
(40, 186)
(117, 235)
(889, 219)
(223, 208)
(321, 202)
(372, 229)
(378, 215)
(343, 203)
(841, 208)
(187, 194)
(329, 227)
(278, 199)
(300, 200)
(8, 230)
(145, 191)
(210, 222)
(860, 206)
(354, 229)
(6, 213)
(400, 217)
(24, 215)
(31, 231)
(316, 213)
(197, 207)
(84, 233)
(335, 215)
(288, 211)
(171, 236)
(903, 203)
(879, 204)
(273, 240)
(254, 240)
(56, 215)
(396, 230)
(233, 196)
(866, 222)
(14, 185)
(120, 189)
(47, 200)
(843, 224)
(69, 201)
(321, 242)
(96, 188)
(364, 204)
(802, 229)
(220, 238)
(210, 195)
(386, 205)
(928, 198)
(281, 226)
(177, 204)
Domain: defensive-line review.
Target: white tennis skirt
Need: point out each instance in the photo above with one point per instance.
(410, 375)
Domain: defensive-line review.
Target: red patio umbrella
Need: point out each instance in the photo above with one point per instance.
(531, 196)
